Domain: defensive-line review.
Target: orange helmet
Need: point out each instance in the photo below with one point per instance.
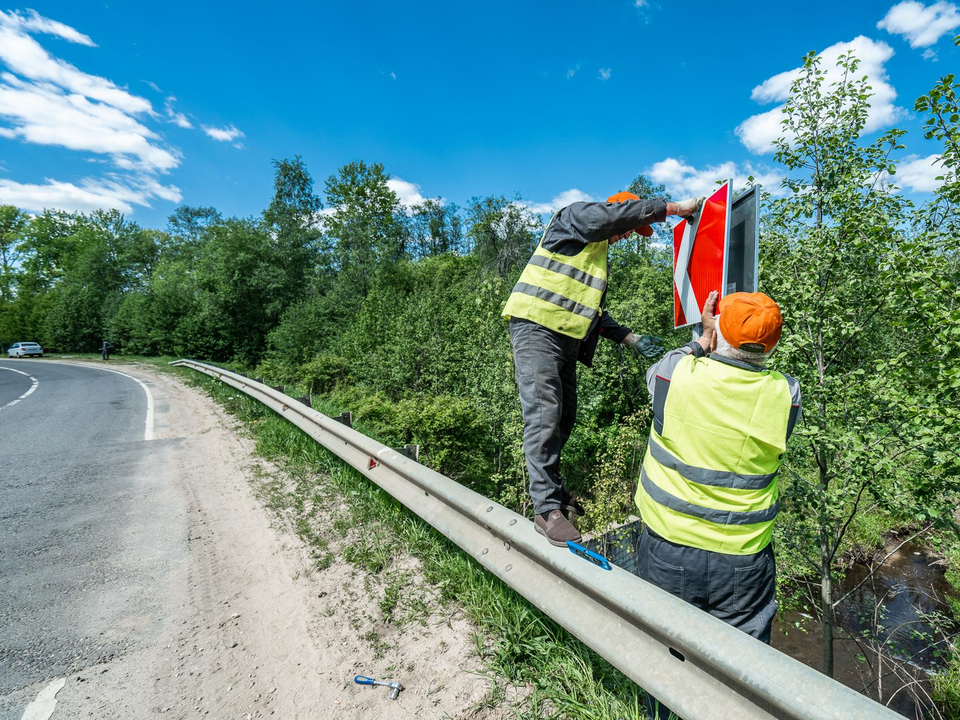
(646, 230)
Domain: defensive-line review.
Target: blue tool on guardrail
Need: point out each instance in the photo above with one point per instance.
(590, 555)
(364, 680)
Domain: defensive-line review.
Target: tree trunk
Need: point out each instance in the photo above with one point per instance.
(826, 605)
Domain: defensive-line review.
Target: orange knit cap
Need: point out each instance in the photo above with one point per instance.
(750, 321)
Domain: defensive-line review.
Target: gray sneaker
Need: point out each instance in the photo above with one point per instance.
(557, 529)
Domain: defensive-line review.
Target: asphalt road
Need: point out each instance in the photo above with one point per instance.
(91, 530)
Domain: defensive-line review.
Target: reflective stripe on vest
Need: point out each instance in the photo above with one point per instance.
(709, 474)
(561, 292)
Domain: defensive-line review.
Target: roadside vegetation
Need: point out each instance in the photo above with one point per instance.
(393, 313)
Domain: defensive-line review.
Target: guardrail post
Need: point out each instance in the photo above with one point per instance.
(410, 451)
(344, 418)
(278, 388)
(259, 380)
(306, 400)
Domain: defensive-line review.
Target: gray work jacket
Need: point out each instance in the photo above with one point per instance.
(585, 222)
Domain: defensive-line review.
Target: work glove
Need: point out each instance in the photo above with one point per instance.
(688, 208)
(647, 345)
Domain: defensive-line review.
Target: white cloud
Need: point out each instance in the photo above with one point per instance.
(639, 3)
(43, 114)
(921, 25)
(393, 75)
(89, 195)
(919, 174)
(24, 56)
(573, 71)
(47, 101)
(758, 132)
(227, 134)
(567, 197)
(174, 116)
(930, 55)
(604, 74)
(407, 192)
(36, 23)
(682, 180)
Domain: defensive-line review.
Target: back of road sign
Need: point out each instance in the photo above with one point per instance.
(699, 257)
(742, 252)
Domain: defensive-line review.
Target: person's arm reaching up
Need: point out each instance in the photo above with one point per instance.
(584, 222)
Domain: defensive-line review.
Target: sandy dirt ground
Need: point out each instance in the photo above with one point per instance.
(253, 632)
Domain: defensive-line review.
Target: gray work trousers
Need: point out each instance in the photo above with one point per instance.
(546, 365)
(738, 589)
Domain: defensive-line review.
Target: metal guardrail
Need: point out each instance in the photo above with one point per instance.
(699, 666)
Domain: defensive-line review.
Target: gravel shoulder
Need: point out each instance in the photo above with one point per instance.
(251, 627)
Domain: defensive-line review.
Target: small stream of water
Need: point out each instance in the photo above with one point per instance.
(888, 628)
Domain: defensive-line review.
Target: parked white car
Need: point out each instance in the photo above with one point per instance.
(24, 349)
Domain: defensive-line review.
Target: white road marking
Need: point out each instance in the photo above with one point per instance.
(45, 703)
(27, 393)
(148, 424)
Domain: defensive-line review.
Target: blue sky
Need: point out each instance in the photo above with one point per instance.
(143, 106)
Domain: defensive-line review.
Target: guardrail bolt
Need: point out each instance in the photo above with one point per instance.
(484, 551)
(508, 568)
(513, 522)
(506, 546)
(490, 509)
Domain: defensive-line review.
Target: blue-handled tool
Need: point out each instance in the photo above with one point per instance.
(598, 560)
(364, 680)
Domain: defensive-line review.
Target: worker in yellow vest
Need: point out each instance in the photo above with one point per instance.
(708, 486)
(556, 314)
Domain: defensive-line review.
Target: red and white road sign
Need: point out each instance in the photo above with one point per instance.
(700, 257)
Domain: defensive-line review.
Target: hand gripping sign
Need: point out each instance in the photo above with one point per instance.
(700, 248)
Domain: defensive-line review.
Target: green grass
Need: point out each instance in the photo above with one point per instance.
(518, 644)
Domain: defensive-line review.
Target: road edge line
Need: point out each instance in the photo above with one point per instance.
(34, 386)
(148, 423)
(45, 703)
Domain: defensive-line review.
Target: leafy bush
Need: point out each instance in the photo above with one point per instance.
(324, 373)
(451, 432)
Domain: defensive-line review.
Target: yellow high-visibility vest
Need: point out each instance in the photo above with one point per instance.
(709, 477)
(561, 292)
